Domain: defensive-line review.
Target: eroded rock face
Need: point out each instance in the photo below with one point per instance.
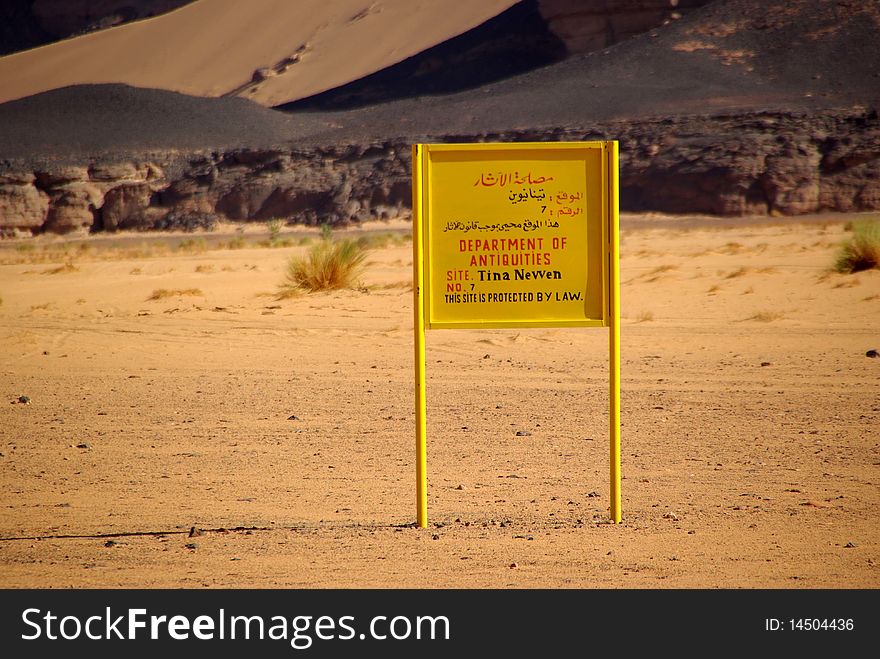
(770, 163)
(69, 210)
(852, 166)
(22, 207)
(66, 198)
(125, 206)
(588, 25)
(777, 163)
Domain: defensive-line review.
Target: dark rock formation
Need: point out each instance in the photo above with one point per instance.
(126, 205)
(22, 205)
(737, 108)
(587, 25)
(515, 41)
(19, 28)
(528, 35)
(30, 23)
(775, 162)
(64, 18)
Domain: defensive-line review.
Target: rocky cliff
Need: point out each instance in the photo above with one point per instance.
(774, 162)
(63, 18)
(587, 25)
(31, 23)
(729, 110)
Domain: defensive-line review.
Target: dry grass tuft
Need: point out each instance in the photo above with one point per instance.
(328, 265)
(55, 253)
(645, 317)
(862, 250)
(162, 293)
(280, 242)
(204, 268)
(739, 272)
(656, 273)
(34, 252)
(192, 246)
(383, 239)
(274, 226)
(235, 243)
(61, 269)
(404, 284)
(766, 316)
(732, 248)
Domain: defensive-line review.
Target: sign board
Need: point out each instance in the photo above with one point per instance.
(515, 235)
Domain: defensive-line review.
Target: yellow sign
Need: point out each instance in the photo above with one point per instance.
(515, 235)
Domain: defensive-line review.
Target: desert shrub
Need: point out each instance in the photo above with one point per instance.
(274, 227)
(162, 293)
(766, 316)
(862, 250)
(328, 265)
(383, 239)
(192, 246)
(61, 269)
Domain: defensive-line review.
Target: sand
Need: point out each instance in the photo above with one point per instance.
(283, 430)
(213, 47)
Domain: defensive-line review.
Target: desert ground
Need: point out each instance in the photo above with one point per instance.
(216, 436)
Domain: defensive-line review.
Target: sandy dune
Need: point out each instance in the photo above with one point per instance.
(750, 416)
(213, 47)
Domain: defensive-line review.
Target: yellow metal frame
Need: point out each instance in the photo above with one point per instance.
(613, 215)
(419, 343)
(424, 172)
(611, 274)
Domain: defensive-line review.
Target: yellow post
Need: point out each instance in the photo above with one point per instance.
(419, 342)
(614, 333)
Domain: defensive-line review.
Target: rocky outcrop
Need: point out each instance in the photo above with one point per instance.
(63, 18)
(529, 35)
(767, 163)
(28, 24)
(126, 205)
(770, 163)
(588, 25)
(69, 210)
(22, 205)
